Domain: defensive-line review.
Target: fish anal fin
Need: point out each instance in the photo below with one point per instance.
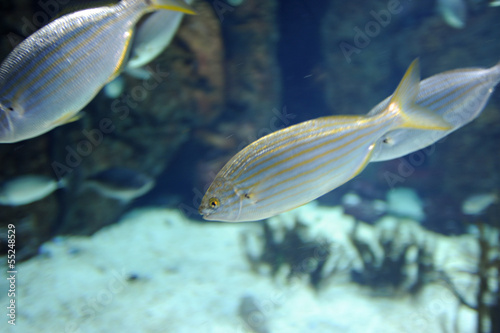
(68, 118)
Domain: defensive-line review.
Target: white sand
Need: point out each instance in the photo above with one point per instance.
(191, 278)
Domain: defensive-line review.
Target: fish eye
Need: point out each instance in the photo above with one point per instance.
(214, 203)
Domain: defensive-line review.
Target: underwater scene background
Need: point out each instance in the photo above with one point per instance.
(408, 245)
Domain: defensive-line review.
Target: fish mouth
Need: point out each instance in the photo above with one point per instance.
(204, 212)
(208, 217)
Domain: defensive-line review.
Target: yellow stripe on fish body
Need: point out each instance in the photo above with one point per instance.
(56, 71)
(293, 166)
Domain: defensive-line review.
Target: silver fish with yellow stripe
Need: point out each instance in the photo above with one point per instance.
(290, 167)
(459, 96)
(56, 71)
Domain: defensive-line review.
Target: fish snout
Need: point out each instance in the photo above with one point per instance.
(205, 210)
(202, 210)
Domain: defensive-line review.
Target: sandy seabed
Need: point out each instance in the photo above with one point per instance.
(157, 271)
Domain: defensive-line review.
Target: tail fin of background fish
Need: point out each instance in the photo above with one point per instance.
(176, 5)
(403, 103)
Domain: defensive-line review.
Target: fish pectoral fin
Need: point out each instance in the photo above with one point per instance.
(250, 196)
(388, 140)
(403, 104)
(175, 5)
(68, 118)
(246, 195)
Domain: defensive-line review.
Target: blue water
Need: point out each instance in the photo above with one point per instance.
(239, 74)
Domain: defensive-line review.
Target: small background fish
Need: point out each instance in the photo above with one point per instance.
(152, 36)
(27, 189)
(478, 203)
(453, 12)
(120, 183)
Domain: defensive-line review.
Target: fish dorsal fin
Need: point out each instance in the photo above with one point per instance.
(402, 103)
(409, 84)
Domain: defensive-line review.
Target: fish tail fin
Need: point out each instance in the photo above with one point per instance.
(175, 5)
(403, 106)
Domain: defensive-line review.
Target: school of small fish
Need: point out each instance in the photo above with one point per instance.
(48, 78)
